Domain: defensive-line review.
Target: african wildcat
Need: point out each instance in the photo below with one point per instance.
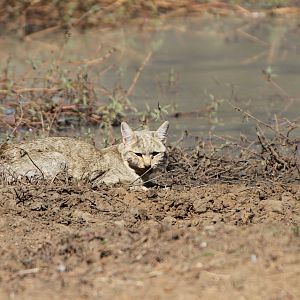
(140, 152)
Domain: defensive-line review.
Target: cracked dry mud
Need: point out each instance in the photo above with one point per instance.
(215, 241)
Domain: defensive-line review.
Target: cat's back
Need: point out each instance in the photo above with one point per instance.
(62, 145)
(59, 143)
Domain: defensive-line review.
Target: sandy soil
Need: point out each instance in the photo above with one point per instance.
(218, 241)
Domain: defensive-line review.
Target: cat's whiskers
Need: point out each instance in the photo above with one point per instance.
(149, 180)
(140, 177)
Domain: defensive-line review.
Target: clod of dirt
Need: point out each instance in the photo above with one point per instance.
(200, 205)
(272, 206)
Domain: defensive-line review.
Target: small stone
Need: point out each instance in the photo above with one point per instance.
(253, 258)
(120, 223)
(85, 216)
(262, 195)
(200, 206)
(61, 268)
(139, 214)
(39, 206)
(203, 245)
(195, 222)
(272, 205)
(169, 220)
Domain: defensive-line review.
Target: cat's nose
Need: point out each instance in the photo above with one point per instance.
(147, 160)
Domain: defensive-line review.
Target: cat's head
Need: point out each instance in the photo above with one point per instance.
(144, 149)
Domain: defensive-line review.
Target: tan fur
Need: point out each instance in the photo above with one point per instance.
(139, 152)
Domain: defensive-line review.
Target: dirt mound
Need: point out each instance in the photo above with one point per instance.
(78, 242)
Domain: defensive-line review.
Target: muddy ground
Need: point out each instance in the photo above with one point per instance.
(212, 238)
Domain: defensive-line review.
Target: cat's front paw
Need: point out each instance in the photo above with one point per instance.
(138, 188)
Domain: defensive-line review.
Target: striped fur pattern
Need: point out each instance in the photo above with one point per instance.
(130, 162)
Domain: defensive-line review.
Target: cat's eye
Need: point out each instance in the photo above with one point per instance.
(138, 154)
(154, 153)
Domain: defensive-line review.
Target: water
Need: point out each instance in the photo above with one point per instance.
(194, 64)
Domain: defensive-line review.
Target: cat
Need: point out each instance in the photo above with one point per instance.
(131, 162)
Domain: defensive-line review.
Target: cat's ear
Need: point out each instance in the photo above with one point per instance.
(127, 133)
(162, 131)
